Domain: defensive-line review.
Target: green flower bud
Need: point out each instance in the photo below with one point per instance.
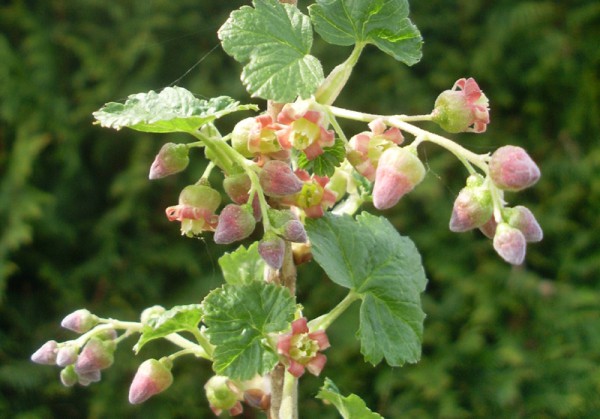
(172, 158)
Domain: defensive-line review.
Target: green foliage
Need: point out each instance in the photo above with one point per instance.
(275, 40)
(174, 109)
(383, 23)
(324, 164)
(239, 321)
(243, 266)
(370, 258)
(350, 407)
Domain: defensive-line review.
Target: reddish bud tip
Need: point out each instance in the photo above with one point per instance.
(79, 321)
(512, 169)
(237, 187)
(398, 172)
(272, 248)
(510, 244)
(172, 158)
(152, 377)
(278, 179)
(235, 223)
(97, 354)
(46, 355)
(522, 218)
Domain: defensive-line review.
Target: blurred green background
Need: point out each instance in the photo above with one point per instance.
(81, 226)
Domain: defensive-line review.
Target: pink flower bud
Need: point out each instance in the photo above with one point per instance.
(398, 172)
(80, 321)
(68, 376)
(510, 244)
(235, 223)
(152, 377)
(522, 218)
(512, 169)
(172, 158)
(294, 231)
(237, 187)
(97, 354)
(472, 208)
(46, 355)
(223, 395)
(489, 228)
(278, 179)
(66, 355)
(464, 108)
(272, 249)
(86, 378)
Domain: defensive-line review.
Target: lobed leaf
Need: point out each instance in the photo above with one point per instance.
(368, 256)
(239, 320)
(174, 109)
(274, 40)
(383, 23)
(324, 164)
(350, 407)
(177, 319)
(243, 266)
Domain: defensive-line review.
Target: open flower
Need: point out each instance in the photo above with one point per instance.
(314, 198)
(465, 108)
(301, 348)
(304, 129)
(196, 210)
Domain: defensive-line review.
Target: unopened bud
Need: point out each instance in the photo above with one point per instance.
(512, 169)
(522, 218)
(152, 377)
(68, 376)
(489, 228)
(80, 321)
(294, 231)
(46, 355)
(86, 378)
(272, 249)
(66, 355)
(97, 354)
(278, 179)
(221, 394)
(472, 208)
(237, 187)
(172, 158)
(235, 223)
(200, 196)
(398, 172)
(510, 244)
(241, 135)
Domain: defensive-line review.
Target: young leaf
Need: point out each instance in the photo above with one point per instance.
(383, 23)
(324, 164)
(239, 318)
(242, 266)
(174, 109)
(368, 256)
(274, 40)
(177, 319)
(350, 407)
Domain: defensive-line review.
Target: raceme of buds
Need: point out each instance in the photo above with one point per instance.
(523, 219)
(510, 244)
(398, 172)
(272, 248)
(196, 209)
(172, 158)
(80, 321)
(152, 377)
(223, 395)
(314, 198)
(97, 354)
(278, 179)
(46, 354)
(237, 187)
(301, 348)
(463, 109)
(304, 129)
(472, 208)
(512, 169)
(235, 223)
(366, 148)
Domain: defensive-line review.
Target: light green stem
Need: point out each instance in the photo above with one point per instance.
(329, 90)
(324, 321)
(289, 399)
(203, 341)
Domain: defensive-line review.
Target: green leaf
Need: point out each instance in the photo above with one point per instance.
(324, 164)
(243, 266)
(368, 256)
(239, 319)
(174, 109)
(383, 23)
(350, 407)
(177, 319)
(275, 41)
